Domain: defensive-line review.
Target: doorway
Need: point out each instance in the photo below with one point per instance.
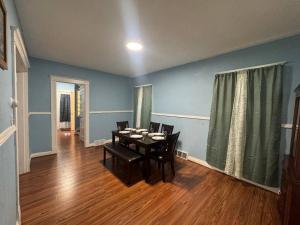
(19, 103)
(69, 109)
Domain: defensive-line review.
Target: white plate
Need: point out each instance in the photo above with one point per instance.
(140, 130)
(155, 134)
(136, 136)
(128, 128)
(124, 132)
(158, 138)
(145, 132)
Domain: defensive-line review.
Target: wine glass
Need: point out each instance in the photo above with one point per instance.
(165, 133)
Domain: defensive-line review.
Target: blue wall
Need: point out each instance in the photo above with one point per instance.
(8, 206)
(107, 93)
(187, 89)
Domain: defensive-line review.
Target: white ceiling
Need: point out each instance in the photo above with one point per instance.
(93, 33)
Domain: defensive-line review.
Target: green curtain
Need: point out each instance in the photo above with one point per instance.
(264, 105)
(146, 107)
(220, 117)
(262, 121)
(135, 103)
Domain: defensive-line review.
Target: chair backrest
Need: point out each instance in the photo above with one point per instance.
(172, 142)
(121, 125)
(167, 128)
(154, 127)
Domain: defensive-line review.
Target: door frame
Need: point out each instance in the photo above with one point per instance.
(54, 115)
(18, 47)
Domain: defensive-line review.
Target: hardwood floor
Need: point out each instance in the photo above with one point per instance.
(75, 188)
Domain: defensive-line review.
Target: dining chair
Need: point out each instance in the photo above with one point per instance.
(166, 154)
(167, 128)
(121, 125)
(154, 127)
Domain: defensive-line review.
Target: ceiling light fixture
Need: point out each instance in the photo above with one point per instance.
(134, 46)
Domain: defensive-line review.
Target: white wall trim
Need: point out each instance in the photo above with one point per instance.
(18, 46)
(6, 134)
(182, 116)
(101, 142)
(39, 113)
(287, 126)
(86, 83)
(204, 163)
(39, 154)
(18, 41)
(144, 85)
(113, 111)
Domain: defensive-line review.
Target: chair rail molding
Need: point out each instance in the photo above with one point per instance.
(112, 111)
(182, 116)
(195, 117)
(39, 113)
(6, 134)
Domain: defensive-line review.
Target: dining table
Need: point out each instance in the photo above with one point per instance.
(145, 142)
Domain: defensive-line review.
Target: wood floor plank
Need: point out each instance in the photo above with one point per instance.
(74, 187)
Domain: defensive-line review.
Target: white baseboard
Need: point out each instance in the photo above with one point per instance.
(39, 154)
(100, 142)
(204, 163)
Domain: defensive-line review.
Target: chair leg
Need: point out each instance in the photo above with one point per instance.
(172, 166)
(163, 172)
(104, 156)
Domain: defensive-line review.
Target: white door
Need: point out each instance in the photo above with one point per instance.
(82, 102)
(22, 118)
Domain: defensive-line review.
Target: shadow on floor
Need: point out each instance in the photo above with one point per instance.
(187, 180)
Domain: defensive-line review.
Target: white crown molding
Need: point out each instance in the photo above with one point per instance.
(113, 111)
(39, 113)
(5, 135)
(204, 163)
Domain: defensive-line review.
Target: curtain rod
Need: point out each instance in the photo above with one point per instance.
(144, 85)
(253, 67)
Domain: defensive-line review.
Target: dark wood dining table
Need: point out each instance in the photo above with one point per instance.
(146, 142)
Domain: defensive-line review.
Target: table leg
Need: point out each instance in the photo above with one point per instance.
(113, 138)
(147, 164)
(104, 156)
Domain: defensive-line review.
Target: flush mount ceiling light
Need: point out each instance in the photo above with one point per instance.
(134, 46)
